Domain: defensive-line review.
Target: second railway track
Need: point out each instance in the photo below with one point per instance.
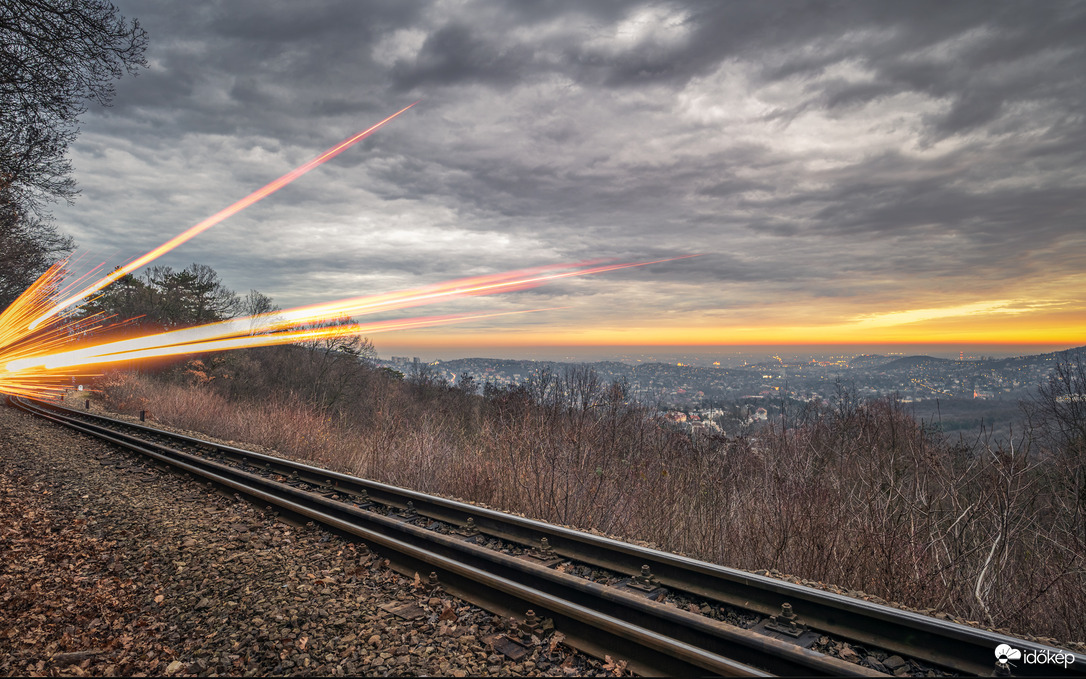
(626, 608)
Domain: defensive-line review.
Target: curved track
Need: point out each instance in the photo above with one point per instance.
(510, 565)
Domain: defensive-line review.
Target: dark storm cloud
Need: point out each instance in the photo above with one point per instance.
(454, 55)
(844, 150)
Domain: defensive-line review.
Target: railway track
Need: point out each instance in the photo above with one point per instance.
(662, 613)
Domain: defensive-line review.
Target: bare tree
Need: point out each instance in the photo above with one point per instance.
(28, 246)
(255, 303)
(1057, 416)
(55, 56)
(467, 383)
(208, 299)
(336, 367)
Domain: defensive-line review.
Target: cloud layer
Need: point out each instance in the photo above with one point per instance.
(832, 161)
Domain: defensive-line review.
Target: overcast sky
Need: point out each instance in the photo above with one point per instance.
(861, 172)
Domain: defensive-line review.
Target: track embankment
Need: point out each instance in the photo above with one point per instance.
(111, 567)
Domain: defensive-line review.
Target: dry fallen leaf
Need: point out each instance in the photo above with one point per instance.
(556, 639)
(615, 667)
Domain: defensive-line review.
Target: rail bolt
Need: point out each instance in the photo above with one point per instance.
(786, 622)
(534, 625)
(545, 547)
(787, 614)
(646, 578)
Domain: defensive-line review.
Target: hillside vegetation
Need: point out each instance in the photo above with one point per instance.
(855, 494)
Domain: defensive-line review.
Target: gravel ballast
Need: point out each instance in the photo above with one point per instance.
(111, 567)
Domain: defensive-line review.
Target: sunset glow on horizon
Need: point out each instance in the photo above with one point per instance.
(999, 323)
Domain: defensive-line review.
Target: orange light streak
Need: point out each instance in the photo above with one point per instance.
(211, 221)
(291, 318)
(39, 350)
(40, 366)
(16, 343)
(112, 353)
(477, 285)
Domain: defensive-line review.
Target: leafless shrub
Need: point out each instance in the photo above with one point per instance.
(859, 495)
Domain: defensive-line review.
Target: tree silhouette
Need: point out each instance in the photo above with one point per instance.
(55, 56)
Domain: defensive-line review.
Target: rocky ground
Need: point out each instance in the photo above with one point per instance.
(109, 567)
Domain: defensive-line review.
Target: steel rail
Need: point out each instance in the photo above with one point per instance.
(947, 644)
(583, 610)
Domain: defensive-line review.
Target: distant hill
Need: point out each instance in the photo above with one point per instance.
(1076, 353)
(910, 362)
(869, 361)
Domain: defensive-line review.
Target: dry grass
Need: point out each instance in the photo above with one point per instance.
(859, 496)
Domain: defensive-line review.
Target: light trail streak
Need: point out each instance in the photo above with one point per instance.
(36, 368)
(477, 285)
(17, 344)
(211, 221)
(40, 350)
(109, 353)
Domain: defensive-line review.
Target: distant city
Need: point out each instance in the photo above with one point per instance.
(734, 394)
